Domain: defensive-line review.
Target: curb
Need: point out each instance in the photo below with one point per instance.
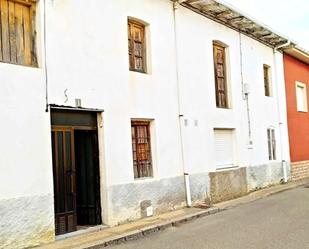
(143, 232)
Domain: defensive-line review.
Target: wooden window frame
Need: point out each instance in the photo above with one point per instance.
(145, 157)
(18, 32)
(221, 102)
(271, 141)
(267, 80)
(131, 44)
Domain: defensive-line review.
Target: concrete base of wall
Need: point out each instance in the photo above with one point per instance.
(129, 201)
(26, 221)
(261, 176)
(199, 186)
(226, 185)
(299, 170)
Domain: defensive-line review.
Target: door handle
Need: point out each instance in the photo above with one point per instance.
(72, 184)
(71, 174)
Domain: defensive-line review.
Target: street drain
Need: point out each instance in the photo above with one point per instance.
(307, 186)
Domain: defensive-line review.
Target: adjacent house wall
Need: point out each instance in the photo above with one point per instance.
(26, 180)
(297, 71)
(196, 73)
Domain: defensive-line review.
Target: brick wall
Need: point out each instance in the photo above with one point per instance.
(299, 170)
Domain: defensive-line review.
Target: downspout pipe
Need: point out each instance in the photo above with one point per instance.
(180, 115)
(45, 58)
(283, 161)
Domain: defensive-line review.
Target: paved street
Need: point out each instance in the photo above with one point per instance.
(280, 221)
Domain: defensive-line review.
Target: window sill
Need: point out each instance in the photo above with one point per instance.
(16, 64)
(137, 71)
(145, 179)
(223, 108)
(302, 111)
(226, 168)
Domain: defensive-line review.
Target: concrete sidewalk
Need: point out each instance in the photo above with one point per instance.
(143, 227)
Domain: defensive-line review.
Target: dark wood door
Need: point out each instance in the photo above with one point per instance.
(64, 180)
(87, 178)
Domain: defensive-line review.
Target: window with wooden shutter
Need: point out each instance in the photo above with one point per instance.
(142, 163)
(266, 72)
(18, 32)
(136, 44)
(271, 139)
(220, 76)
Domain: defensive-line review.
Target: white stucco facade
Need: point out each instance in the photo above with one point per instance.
(196, 77)
(87, 59)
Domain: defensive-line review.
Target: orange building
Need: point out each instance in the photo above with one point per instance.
(296, 70)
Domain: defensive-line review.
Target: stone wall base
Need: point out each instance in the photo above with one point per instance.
(226, 185)
(128, 202)
(261, 176)
(26, 221)
(299, 170)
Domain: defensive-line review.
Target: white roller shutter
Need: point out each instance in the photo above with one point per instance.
(224, 148)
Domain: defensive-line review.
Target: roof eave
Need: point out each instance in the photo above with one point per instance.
(224, 14)
(298, 53)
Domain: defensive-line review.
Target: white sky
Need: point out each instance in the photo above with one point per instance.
(288, 17)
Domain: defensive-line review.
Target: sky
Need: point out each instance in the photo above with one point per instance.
(288, 17)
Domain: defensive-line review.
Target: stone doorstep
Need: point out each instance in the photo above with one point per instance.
(146, 226)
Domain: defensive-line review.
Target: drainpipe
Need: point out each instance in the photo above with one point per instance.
(283, 161)
(245, 92)
(181, 117)
(288, 43)
(45, 58)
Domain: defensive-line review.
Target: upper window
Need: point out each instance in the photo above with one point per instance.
(301, 97)
(137, 48)
(220, 76)
(267, 82)
(142, 163)
(271, 139)
(18, 32)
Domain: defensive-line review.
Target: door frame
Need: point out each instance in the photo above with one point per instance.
(99, 132)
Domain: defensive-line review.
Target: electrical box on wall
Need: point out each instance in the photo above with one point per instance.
(246, 88)
(78, 103)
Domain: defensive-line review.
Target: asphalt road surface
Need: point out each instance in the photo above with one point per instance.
(280, 221)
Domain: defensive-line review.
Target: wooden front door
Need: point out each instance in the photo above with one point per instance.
(88, 203)
(64, 180)
(76, 170)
